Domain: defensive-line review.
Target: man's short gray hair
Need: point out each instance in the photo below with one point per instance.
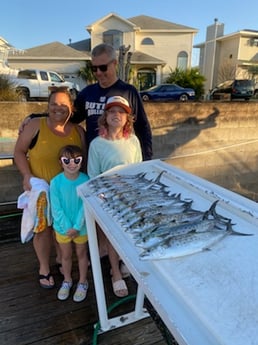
(104, 48)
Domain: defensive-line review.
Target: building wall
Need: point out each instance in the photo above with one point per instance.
(216, 141)
(246, 51)
(164, 44)
(112, 23)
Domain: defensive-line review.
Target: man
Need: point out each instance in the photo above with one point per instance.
(90, 104)
(91, 101)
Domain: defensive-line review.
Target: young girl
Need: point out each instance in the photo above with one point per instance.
(115, 145)
(68, 220)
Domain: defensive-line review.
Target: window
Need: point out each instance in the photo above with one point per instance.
(147, 41)
(43, 75)
(27, 74)
(113, 37)
(182, 60)
(54, 77)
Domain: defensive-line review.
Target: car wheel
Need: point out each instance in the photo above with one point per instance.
(145, 98)
(23, 94)
(183, 98)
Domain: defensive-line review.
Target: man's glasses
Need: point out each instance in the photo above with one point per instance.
(102, 68)
(67, 161)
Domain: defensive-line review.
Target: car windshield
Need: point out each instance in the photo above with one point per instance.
(153, 88)
(244, 83)
(164, 87)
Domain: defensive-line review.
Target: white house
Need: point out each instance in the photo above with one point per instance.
(5, 49)
(156, 47)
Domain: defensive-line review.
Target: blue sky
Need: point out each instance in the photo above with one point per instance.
(29, 23)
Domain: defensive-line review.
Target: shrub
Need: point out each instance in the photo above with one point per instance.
(7, 90)
(188, 78)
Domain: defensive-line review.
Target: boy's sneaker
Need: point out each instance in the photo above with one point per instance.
(64, 291)
(81, 292)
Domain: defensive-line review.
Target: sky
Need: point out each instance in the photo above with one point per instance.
(29, 23)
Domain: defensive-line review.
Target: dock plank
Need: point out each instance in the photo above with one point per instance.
(32, 315)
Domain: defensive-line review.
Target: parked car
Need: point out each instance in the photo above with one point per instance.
(234, 89)
(167, 92)
(34, 84)
(256, 90)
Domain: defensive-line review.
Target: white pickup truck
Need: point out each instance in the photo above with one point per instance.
(34, 84)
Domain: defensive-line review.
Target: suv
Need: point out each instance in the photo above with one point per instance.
(235, 89)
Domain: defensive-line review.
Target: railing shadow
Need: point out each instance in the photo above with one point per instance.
(182, 133)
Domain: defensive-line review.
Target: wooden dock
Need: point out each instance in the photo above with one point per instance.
(32, 315)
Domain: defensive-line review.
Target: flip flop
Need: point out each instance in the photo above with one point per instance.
(47, 277)
(120, 288)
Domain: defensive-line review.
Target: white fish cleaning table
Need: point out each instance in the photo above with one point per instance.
(208, 298)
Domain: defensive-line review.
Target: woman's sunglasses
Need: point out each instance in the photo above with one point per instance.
(67, 161)
(102, 68)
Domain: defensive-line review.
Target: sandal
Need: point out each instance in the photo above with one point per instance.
(125, 273)
(46, 277)
(120, 288)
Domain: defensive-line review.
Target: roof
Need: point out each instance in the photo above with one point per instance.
(154, 24)
(103, 19)
(84, 45)
(139, 57)
(143, 22)
(54, 50)
(244, 32)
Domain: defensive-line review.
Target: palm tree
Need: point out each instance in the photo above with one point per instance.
(86, 74)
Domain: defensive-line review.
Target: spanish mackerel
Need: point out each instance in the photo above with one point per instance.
(187, 244)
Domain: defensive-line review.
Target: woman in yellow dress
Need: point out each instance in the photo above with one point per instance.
(36, 155)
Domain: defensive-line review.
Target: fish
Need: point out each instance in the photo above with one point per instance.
(107, 183)
(201, 225)
(165, 209)
(137, 222)
(169, 218)
(161, 233)
(123, 208)
(136, 217)
(188, 244)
